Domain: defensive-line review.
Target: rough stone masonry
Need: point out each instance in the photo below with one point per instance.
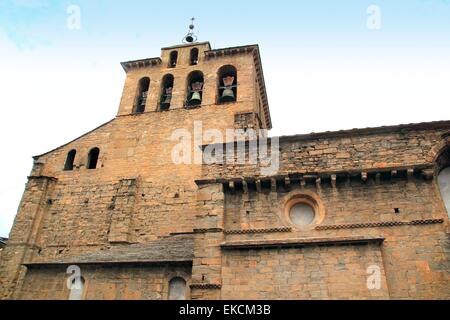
(356, 214)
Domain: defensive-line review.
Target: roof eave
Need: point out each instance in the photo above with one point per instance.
(149, 62)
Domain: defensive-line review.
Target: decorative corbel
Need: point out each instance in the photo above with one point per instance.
(258, 185)
(364, 176)
(245, 186)
(273, 185)
(428, 174)
(377, 178)
(333, 181)
(287, 182)
(410, 174)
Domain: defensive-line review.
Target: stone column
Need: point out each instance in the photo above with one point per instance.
(122, 209)
(207, 263)
(23, 236)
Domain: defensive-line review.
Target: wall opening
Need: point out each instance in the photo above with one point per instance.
(444, 186)
(173, 60)
(93, 158)
(141, 99)
(195, 89)
(302, 214)
(227, 84)
(194, 57)
(68, 166)
(77, 289)
(177, 289)
(304, 210)
(166, 92)
(443, 167)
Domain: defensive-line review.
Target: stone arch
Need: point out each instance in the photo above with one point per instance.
(70, 159)
(227, 84)
(442, 164)
(93, 156)
(195, 82)
(193, 59)
(167, 84)
(437, 149)
(173, 59)
(177, 288)
(142, 94)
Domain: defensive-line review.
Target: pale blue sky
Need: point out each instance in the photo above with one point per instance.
(325, 70)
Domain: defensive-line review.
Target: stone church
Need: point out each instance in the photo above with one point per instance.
(354, 214)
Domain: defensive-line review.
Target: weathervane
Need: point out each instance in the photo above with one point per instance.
(190, 37)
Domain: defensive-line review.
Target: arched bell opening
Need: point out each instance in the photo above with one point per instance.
(195, 89)
(166, 92)
(194, 57)
(227, 86)
(173, 59)
(142, 94)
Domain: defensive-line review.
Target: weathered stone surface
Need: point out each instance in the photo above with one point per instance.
(139, 219)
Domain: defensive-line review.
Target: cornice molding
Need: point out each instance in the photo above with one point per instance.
(142, 63)
(296, 243)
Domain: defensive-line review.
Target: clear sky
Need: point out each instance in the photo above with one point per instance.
(325, 67)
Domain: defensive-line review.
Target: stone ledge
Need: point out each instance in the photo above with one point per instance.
(171, 262)
(210, 230)
(295, 243)
(42, 178)
(380, 224)
(175, 249)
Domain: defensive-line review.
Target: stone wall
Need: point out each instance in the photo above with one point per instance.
(309, 273)
(408, 214)
(137, 193)
(123, 282)
(376, 183)
(379, 203)
(352, 150)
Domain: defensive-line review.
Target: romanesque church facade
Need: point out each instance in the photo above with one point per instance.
(355, 214)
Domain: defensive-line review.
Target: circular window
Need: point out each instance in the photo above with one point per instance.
(304, 210)
(302, 214)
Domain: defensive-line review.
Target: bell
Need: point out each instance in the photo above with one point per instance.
(165, 103)
(143, 98)
(228, 81)
(166, 99)
(227, 95)
(196, 98)
(197, 86)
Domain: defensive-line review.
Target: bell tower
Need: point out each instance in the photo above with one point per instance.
(194, 79)
(120, 183)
